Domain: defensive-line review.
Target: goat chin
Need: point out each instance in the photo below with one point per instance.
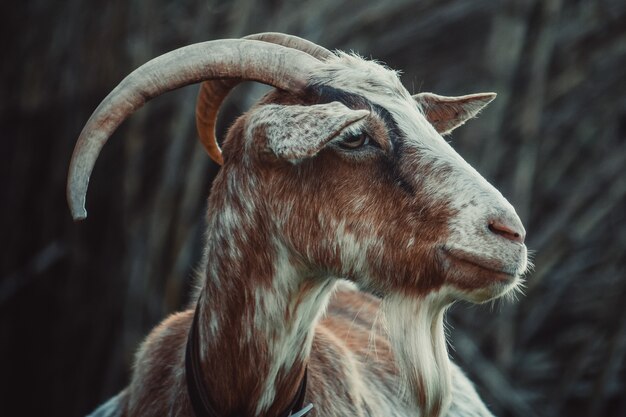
(416, 332)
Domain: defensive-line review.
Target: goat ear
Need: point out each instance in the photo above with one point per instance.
(298, 132)
(448, 113)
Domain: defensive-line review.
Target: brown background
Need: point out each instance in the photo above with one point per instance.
(76, 299)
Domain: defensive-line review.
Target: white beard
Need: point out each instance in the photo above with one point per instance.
(416, 333)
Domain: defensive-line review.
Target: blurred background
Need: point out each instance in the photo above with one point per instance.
(77, 299)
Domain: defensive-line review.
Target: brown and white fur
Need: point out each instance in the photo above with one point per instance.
(293, 214)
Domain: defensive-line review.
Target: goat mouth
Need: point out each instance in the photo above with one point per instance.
(486, 267)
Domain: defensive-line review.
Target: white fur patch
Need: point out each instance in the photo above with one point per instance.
(416, 333)
(289, 340)
(465, 400)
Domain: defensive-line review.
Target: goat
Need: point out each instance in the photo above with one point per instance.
(338, 200)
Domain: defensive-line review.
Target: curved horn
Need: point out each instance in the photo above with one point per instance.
(212, 93)
(270, 64)
(293, 42)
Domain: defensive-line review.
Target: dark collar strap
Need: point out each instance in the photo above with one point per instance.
(197, 390)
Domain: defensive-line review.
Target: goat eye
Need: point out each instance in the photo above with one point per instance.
(354, 142)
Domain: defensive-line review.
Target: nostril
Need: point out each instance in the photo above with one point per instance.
(506, 231)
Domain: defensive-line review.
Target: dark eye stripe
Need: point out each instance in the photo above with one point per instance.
(326, 94)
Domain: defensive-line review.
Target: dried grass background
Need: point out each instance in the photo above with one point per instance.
(76, 299)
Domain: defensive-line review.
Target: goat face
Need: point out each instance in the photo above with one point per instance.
(360, 184)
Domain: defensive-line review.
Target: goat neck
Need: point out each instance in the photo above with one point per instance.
(259, 305)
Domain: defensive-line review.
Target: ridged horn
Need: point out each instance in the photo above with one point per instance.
(275, 65)
(212, 93)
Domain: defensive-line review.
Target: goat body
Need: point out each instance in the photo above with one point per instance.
(339, 229)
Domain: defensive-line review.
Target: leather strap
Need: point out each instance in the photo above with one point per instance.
(197, 390)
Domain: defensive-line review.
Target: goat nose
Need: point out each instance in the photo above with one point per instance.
(508, 228)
